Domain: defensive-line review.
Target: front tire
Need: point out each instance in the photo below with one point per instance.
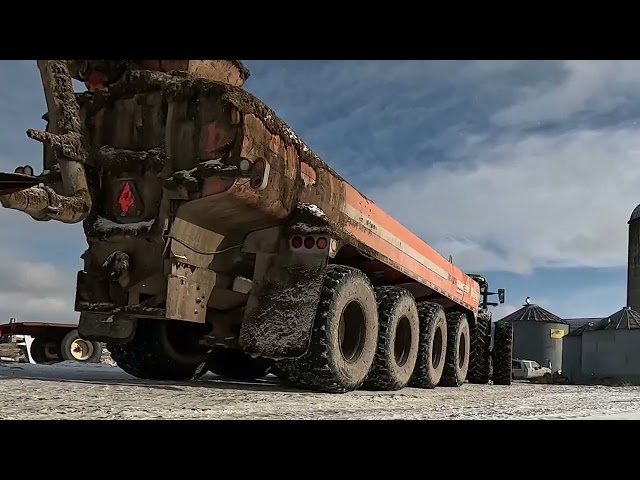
(502, 354)
(344, 336)
(480, 350)
(458, 348)
(162, 350)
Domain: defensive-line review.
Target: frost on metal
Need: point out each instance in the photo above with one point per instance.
(310, 219)
(182, 86)
(105, 226)
(313, 210)
(193, 177)
(117, 159)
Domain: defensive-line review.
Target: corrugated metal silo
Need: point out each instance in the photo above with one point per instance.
(610, 349)
(537, 335)
(633, 267)
(572, 351)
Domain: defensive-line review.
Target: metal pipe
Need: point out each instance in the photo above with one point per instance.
(66, 139)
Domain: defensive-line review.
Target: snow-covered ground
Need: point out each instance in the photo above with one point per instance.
(74, 390)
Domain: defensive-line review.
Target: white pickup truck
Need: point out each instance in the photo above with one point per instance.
(526, 369)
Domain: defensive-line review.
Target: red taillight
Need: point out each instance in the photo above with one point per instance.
(256, 182)
(296, 242)
(258, 165)
(321, 243)
(309, 242)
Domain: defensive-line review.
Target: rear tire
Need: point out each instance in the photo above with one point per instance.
(502, 354)
(458, 348)
(432, 349)
(162, 350)
(398, 337)
(45, 350)
(76, 349)
(236, 365)
(480, 350)
(344, 336)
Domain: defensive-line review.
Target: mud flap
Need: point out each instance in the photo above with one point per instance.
(286, 287)
(114, 329)
(281, 308)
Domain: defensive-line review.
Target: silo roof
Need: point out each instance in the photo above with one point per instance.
(533, 313)
(635, 214)
(585, 327)
(623, 319)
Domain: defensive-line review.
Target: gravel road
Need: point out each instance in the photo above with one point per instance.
(76, 391)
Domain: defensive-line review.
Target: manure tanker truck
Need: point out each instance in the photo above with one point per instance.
(218, 241)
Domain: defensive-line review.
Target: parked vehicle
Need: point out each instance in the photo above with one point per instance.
(526, 369)
(51, 342)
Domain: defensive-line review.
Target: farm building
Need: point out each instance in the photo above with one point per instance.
(604, 350)
(537, 335)
(575, 323)
(633, 266)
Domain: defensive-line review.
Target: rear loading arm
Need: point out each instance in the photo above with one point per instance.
(65, 138)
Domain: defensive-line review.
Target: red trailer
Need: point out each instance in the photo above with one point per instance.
(53, 342)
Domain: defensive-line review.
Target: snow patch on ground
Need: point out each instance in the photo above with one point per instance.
(76, 390)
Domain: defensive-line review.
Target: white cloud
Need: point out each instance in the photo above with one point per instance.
(35, 292)
(514, 204)
(589, 86)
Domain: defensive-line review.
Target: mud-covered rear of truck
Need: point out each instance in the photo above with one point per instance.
(211, 226)
(197, 213)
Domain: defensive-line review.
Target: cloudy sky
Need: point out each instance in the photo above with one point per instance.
(522, 170)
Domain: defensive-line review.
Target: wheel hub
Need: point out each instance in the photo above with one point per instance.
(81, 350)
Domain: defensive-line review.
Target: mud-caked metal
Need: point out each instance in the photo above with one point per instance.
(212, 227)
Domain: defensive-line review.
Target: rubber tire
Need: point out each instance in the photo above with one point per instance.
(480, 350)
(432, 318)
(65, 348)
(394, 304)
(236, 365)
(37, 351)
(323, 367)
(502, 354)
(151, 356)
(455, 371)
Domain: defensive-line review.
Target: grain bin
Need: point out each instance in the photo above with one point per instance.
(610, 350)
(633, 266)
(572, 351)
(537, 335)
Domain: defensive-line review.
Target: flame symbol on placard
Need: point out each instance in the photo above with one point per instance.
(126, 199)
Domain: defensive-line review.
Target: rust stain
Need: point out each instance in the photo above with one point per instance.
(215, 185)
(213, 136)
(308, 174)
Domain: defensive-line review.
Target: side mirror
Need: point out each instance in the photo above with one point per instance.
(501, 295)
